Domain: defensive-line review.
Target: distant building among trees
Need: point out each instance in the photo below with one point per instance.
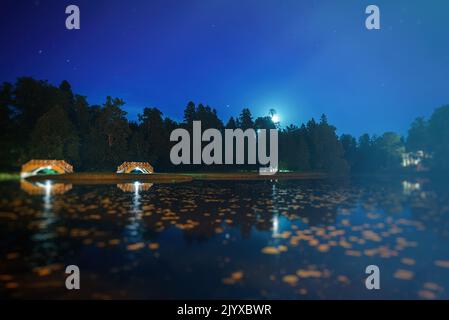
(416, 160)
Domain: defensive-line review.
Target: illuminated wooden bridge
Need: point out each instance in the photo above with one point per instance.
(34, 167)
(135, 167)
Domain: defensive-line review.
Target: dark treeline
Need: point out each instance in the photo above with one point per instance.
(41, 121)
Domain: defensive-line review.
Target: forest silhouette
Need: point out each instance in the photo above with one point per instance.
(39, 120)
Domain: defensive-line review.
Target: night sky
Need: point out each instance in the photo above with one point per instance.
(302, 58)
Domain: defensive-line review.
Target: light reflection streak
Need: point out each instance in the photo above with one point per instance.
(135, 228)
(45, 247)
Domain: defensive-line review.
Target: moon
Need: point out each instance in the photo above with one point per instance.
(275, 118)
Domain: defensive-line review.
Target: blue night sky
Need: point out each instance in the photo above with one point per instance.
(303, 58)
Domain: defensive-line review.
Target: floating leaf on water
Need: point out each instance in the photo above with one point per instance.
(408, 261)
(218, 230)
(12, 255)
(353, 253)
(270, 250)
(403, 274)
(308, 273)
(370, 252)
(46, 270)
(442, 263)
(11, 285)
(426, 294)
(233, 278)
(302, 291)
(42, 271)
(345, 244)
(135, 246)
(370, 235)
(291, 279)
(238, 275)
(5, 277)
(343, 279)
(114, 242)
(283, 235)
(282, 248)
(432, 286)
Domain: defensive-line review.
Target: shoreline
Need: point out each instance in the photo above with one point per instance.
(111, 177)
(107, 178)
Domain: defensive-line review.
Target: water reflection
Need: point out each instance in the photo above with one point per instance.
(44, 188)
(44, 227)
(279, 239)
(135, 228)
(410, 187)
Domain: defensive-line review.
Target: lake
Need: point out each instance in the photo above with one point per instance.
(237, 240)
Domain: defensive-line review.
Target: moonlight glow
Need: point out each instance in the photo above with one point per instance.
(275, 118)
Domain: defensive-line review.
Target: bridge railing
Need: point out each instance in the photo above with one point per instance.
(132, 164)
(45, 163)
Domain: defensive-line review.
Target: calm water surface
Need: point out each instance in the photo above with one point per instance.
(276, 240)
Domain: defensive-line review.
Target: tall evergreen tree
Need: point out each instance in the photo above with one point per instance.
(155, 137)
(438, 133)
(54, 137)
(189, 113)
(349, 144)
(231, 124)
(108, 137)
(245, 119)
(418, 138)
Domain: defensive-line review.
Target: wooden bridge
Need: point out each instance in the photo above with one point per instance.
(135, 167)
(34, 167)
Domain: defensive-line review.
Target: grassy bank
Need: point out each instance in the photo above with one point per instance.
(6, 176)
